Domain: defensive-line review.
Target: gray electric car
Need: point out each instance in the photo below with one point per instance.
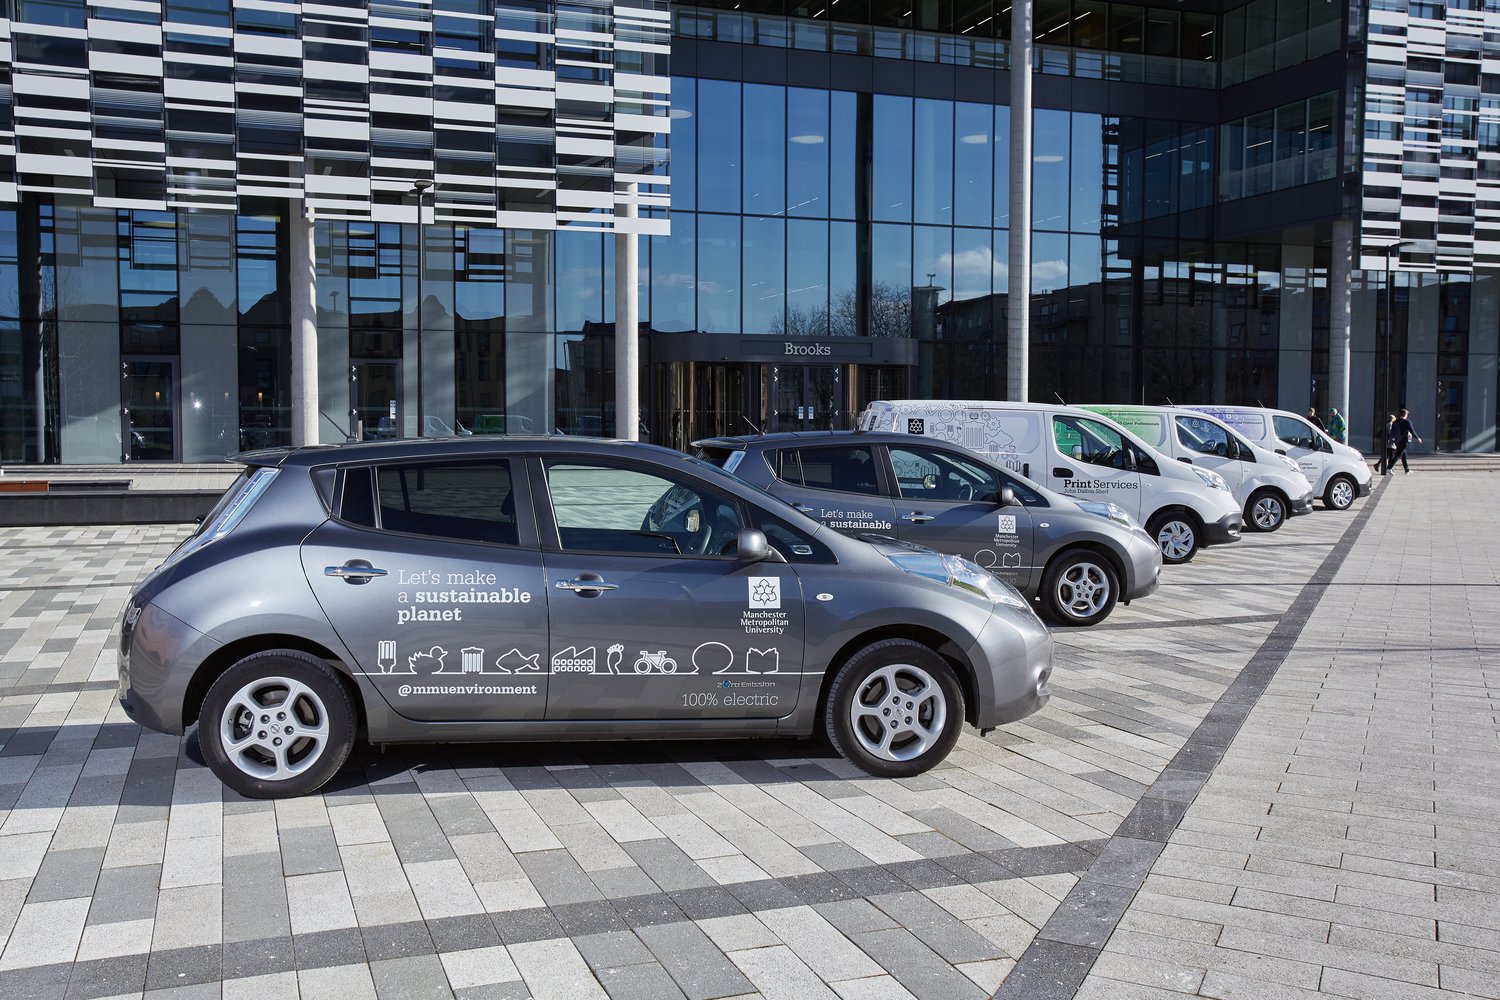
(1076, 558)
(511, 588)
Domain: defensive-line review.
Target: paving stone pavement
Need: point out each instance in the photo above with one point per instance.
(665, 870)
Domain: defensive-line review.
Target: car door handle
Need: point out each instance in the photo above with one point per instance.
(585, 586)
(354, 572)
(916, 517)
(1189, 461)
(1063, 473)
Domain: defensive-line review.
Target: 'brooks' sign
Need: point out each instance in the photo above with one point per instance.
(808, 350)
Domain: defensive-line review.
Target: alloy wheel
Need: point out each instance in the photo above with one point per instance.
(899, 712)
(274, 728)
(1083, 589)
(1175, 539)
(1268, 513)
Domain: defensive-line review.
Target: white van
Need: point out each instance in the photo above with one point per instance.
(1269, 487)
(1084, 455)
(1338, 473)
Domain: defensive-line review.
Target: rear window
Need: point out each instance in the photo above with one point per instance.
(842, 468)
(727, 459)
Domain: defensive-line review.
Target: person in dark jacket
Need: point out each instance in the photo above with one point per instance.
(1402, 433)
(1315, 420)
(1387, 445)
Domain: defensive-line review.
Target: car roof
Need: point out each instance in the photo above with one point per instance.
(403, 449)
(741, 442)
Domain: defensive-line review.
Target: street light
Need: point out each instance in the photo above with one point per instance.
(1390, 332)
(420, 187)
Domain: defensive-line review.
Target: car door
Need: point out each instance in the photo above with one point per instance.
(651, 613)
(1209, 446)
(1091, 460)
(840, 485)
(1300, 444)
(430, 573)
(951, 502)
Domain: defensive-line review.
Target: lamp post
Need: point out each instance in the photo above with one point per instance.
(420, 187)
(1390, 333)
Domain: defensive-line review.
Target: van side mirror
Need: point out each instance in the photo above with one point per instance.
(1077, 453)
(752, 546)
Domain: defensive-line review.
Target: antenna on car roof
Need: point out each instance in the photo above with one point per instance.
(759, 432)
(1169, 400)
(1060, 399)
(1259, 403)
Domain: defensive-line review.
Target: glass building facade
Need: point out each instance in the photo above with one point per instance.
(835, 230)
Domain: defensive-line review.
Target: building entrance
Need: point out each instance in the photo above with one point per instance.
(375, 399)
(149, 417)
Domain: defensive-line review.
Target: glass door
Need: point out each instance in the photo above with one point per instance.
(375, 399)
(806, 397)
(150, 423)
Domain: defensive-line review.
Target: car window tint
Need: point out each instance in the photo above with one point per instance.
(469, 501)
(933, 474)
(610, 508)
(795, 545)
(1205, 437)
(845, 469)
(1294, 432)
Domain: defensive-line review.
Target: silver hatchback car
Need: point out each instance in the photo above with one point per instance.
(552, 588)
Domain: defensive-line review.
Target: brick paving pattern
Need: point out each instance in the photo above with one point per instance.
(697, 870)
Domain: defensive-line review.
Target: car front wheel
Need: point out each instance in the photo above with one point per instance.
(895, 709)
(1340, 493)
(1266, 510)
(1176, 535)
(276, 725)
(1079, 588)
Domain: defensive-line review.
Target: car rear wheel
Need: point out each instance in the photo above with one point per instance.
(1176, 534)
(895, 709)
(1340, 493)
(276, 725)
(1079, 588)
(1266, 510)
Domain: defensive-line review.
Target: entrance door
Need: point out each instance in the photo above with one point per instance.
(375, 398)
(150, 414)
(806, 397)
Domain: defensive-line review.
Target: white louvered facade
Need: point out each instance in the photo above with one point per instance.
(541, 115)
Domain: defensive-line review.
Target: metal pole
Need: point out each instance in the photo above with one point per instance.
(421, 186)
(627, 325)
(1018, 298)
(304, 302)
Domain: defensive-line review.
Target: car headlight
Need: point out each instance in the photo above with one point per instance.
(956, 571)
(1211, 478)
(1109, 511)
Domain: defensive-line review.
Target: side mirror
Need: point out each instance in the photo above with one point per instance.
(752, 546)
(1008, 497)
(1078, 453)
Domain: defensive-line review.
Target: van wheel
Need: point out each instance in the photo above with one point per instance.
(1176, 534)
(1266, 510)
(1079, 588)
(276, 725)
(1340, 493)
(895, 709)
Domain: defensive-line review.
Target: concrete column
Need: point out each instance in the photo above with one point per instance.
(627, 327)
(1018, 311)
(303, 289)
(1340, 317)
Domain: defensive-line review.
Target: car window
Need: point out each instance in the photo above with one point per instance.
(932, 474)
(1294, 432)
(601, 507)
(462, 501)
(842, 468)
(1089, 441)
(1205, 437)
(796, 546)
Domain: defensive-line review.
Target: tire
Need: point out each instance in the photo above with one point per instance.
(1340, 493)
(1177, 535)
(1079, 588)
(265, 764)
(886, 671)
(1266, 511)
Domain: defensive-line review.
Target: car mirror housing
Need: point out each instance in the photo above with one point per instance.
(1007, 497)
(752, 546)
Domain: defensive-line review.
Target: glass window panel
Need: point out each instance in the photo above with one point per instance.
(973, 264)
(765, 150)
(807, 263)
(765, 275)
(843, 288)
(580, 279)
(1127, 27)
(933, 149)
(1050, 20)
(1234, 47)
(1291, 32)
(890, 285)
(606, 508)
(1163, 28)
(1290, 141)
(1198, 35)
(719, 273)
(1323, 27)
(469, 502)
(1086, 169)
(1161, 169)
(1049, 152)
(1321, 154)
(842, 151)
(1049, 263)
(1002, 166)
(672, 276)
(1259, 139)
(718, 146)
(973, 166)
(931, 276)
(1260, 38)
(684, 143)
(1090, 24)
(1000, 257)
(891, 171)
(807, 152)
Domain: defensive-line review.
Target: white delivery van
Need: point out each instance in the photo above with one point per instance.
(1338, 473)
(1084, 455)
(1269, 487)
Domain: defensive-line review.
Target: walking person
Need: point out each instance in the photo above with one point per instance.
(1387, 445)
(1402, 433)
(1336, 426)
(1315, 420)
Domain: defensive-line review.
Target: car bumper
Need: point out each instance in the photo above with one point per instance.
(1012, 660)
(156, 660)
(1367, 486)
(1142, 567)
(1225, 529)
(1302, 505)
